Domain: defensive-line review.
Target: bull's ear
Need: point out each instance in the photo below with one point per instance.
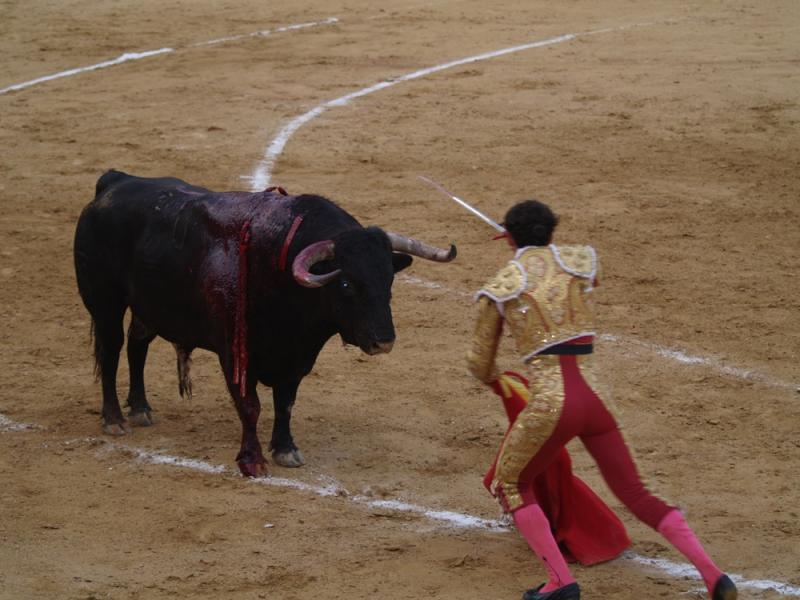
(400, 261)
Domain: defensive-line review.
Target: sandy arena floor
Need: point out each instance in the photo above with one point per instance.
(664, 133)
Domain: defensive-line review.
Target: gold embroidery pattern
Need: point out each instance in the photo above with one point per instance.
(508, 283)
(555, 305)
(533, 426)
(578, 259)
(488, 326)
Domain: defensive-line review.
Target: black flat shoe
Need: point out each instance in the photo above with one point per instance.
(573, 592)
(724, 589)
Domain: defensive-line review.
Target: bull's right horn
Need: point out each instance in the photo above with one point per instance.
(308, 257)
(401, 243)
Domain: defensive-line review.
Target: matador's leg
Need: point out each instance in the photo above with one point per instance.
(529, 445)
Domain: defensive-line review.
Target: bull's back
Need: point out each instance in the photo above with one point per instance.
(125, 205)
(128, 228)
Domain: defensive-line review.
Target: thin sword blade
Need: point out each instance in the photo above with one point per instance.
(470, 208)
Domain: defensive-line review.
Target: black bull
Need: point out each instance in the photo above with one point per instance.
(261, 279)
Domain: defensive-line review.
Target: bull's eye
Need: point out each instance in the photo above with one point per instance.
(345, 286)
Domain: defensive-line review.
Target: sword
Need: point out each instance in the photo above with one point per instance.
(466, 205)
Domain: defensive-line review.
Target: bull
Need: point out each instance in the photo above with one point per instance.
(263, 280)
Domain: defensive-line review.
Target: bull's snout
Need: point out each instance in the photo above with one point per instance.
(380, 348)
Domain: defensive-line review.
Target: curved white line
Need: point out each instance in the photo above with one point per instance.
(261, 175)
(129, 56)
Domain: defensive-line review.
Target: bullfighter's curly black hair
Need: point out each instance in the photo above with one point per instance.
(530, 223)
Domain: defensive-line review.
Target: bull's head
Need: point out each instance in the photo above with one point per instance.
(356, 270)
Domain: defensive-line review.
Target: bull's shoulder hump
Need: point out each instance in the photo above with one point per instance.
(509, 282)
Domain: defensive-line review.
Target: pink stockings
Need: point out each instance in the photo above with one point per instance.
(535, 528)
(675, 528)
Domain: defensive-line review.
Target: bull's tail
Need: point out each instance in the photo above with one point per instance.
(93, 341)
(184, 360)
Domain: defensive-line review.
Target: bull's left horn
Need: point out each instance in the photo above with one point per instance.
(310, 255)
(401, 243)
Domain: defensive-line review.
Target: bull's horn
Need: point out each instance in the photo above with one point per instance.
(310, 255)
(401, 243)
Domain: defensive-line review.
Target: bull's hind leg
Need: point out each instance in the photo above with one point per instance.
(108, 339)
(139, 338)
(284, 452)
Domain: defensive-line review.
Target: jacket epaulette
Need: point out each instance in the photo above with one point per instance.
(508, 283)
(577, 260)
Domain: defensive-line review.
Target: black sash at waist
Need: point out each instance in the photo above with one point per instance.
(569, 349)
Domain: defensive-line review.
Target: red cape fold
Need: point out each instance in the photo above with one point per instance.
(586, 529)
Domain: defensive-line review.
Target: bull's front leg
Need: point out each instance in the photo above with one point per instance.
(250, 458)
(284, 452)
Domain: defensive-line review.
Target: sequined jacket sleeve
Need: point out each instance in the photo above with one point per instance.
(481, 355)
(507, 284)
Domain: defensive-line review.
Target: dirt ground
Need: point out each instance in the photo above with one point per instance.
(666, 135)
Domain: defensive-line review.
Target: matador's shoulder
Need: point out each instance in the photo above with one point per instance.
(508, 283)
(577, 260)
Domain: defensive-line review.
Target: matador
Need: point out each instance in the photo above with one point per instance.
(544, 296)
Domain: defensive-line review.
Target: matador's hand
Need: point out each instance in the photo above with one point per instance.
(513, 390)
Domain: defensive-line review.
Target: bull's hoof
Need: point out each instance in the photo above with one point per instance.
(141, 419)
(292, 458)
(254, 469)
(116, 429)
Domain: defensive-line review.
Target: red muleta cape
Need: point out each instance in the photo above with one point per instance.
(586, 529)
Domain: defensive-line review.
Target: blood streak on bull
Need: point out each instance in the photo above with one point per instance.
(262, 280)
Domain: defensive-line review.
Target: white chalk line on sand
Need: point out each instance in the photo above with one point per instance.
(712, 363)
(261, 175)
(130, 56)
(331, 488)
(688, 571)
(7, 424)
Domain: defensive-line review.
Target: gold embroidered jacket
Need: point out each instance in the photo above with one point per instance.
(543, 294)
